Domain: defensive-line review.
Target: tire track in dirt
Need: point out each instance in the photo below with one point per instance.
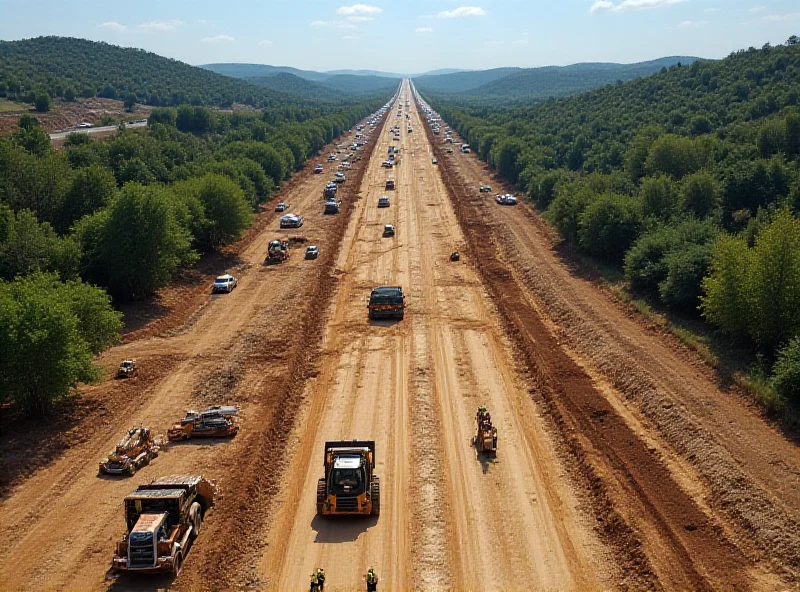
(662, 536)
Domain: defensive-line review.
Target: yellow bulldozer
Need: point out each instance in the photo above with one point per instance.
(350, 485)
(134, 451)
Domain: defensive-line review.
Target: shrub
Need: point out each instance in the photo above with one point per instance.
(609, 226)
(644, 262)
(686, 268)
(786, 371)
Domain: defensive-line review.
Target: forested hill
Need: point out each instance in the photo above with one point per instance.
(67, 67)
(688, 179)
(543, 83)
(291, 84)
(515, 84)
(236, 70)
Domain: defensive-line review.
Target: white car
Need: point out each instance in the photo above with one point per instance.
(291, 221)
(506, 200)
(225, 283)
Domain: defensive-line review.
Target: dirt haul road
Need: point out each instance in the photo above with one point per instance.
(690, 484)
(449, 519)
(241, 348)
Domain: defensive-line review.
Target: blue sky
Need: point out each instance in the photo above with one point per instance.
(411, 36)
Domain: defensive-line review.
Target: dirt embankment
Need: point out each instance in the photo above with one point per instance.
(65, 115)
(663, 536)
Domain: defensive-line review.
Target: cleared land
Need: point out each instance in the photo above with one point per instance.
(621, 464)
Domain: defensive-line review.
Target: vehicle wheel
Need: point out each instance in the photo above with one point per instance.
(196, 516)
(320, 496)
(376, 496)
(177, 564)
(131, 469)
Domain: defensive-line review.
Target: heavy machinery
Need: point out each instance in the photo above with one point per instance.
(278, 251)
(127, 369)
(350, 485)
(387, 302)
(215, 422)
(163, 518)
(485, 439)
(134, 451)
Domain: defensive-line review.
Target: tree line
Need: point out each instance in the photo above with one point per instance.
(119, 218)
(38, 70)
(688, 181)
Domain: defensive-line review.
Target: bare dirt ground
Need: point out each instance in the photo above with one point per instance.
(67, 115)
(740, 474)
(621, 463)
(247, 347)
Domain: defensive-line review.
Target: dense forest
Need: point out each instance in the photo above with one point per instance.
(534, 84)
(120, 218)
(687, 180)
(68, 68)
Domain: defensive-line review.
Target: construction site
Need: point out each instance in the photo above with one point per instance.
(451, 403)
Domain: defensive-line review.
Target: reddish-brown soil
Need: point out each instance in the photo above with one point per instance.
(621, 464)
(67, 115)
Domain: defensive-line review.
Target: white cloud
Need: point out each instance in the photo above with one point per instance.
(758, 8)
(217, 39)
(333, 24)
(266, 42)
(601, 5)
(792, 16)
(358, 10)
(159, 26)
(631, 5)
(360, 19)
(462, 11)
(690, 25)
(113, 26)
(423, 30)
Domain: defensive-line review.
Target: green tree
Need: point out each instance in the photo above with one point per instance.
(786, 371)
(686, 268)
(92, 188)
(659, 197)
(226, 213)
(699, 194)
(609, 226)
(136, 245)
(49, 331)
(42, 102)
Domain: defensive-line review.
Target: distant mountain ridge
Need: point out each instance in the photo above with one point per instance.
(544, 82)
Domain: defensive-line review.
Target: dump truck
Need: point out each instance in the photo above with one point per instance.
(387, 302)
(162, 518)
(278, 250)
(134, 451)
(127, 369)
(350, 485)
(215, 422)
(485, 439)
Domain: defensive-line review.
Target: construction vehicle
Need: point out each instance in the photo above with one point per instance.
(127, 369)
(350, 485)
(134, 451)
(278, 251)
(163, 518)
(387, 302)
(390, 184)
(215, 422)
(485, 439)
